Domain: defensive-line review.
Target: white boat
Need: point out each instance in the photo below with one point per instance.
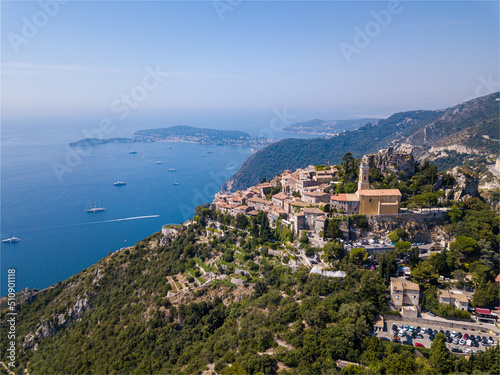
(11, 240)
(119, 183)
(157, 162)
(96, 209)
(172, 170)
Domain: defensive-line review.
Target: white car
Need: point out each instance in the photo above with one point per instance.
(455, 341)
(461, 342)
(491, 341)
(469, 342)
(468, 350)
(423, 330)
(453, 334)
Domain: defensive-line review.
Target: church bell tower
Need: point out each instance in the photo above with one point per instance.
(364, 177)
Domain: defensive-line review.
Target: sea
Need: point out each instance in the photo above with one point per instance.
(47, 188)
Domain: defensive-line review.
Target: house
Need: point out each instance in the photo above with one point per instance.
(315, 197)
(456, 299)
(349, 203)
(405, 293)
(279, 199)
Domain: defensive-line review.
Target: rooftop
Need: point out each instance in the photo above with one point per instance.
(404, 285)
(379, 192)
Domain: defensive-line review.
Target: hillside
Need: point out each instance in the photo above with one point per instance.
(182, 133)
(214, 297)
(421, 130)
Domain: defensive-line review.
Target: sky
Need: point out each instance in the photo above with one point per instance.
(325, 59)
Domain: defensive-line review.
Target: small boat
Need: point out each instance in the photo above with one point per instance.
(132, 152)
(11, 240)
(203, 156)
(210, 152)
(157, 162)
(96, 209)
(172, 170)
(169, 147)
(175, 182)
(119, 183)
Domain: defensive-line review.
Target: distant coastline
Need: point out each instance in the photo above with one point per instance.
(183, 133)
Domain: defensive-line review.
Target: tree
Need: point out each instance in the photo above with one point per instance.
(425, 274)
(241, 221)
(333, 250)
(398, 234)
(358, 255)
(464, 245)
(440, 356)
(304, 239)
(402, 247)
(332, 229)
(454, 214)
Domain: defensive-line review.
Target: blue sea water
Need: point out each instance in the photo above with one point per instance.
(48, 213)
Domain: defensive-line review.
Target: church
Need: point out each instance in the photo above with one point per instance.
(366, 201)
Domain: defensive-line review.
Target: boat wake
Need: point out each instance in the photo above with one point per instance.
(123, 219)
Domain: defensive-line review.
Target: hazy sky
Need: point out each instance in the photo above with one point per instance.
(350, 58)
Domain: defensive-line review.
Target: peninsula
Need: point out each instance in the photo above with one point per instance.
(184, 133)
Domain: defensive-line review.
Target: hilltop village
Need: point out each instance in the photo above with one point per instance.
(305, 199)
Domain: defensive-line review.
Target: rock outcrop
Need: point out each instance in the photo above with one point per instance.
(389, 160)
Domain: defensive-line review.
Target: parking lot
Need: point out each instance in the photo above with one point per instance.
(408, 336)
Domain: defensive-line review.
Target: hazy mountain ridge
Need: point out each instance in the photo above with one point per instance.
(419, 130)
(327, 127)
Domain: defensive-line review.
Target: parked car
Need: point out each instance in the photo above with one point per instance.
(468, 342)
(419, 345)
(431, 337)
(453, 334)
(407, 343)
(490, 340)
(394, 327)
(396, 340)
(434, 333)
(466, 336)
(449, 340)
(411, 329)
(417, 329)
(431, 313)
(461, 342)
(468, 351)
(441, 331)
(457, 350)
(455, 341)
(429, 331)
(424, 330)
(459, 335)
(384, 339)
(447, 333)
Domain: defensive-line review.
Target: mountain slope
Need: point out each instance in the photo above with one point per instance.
(420, 130)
